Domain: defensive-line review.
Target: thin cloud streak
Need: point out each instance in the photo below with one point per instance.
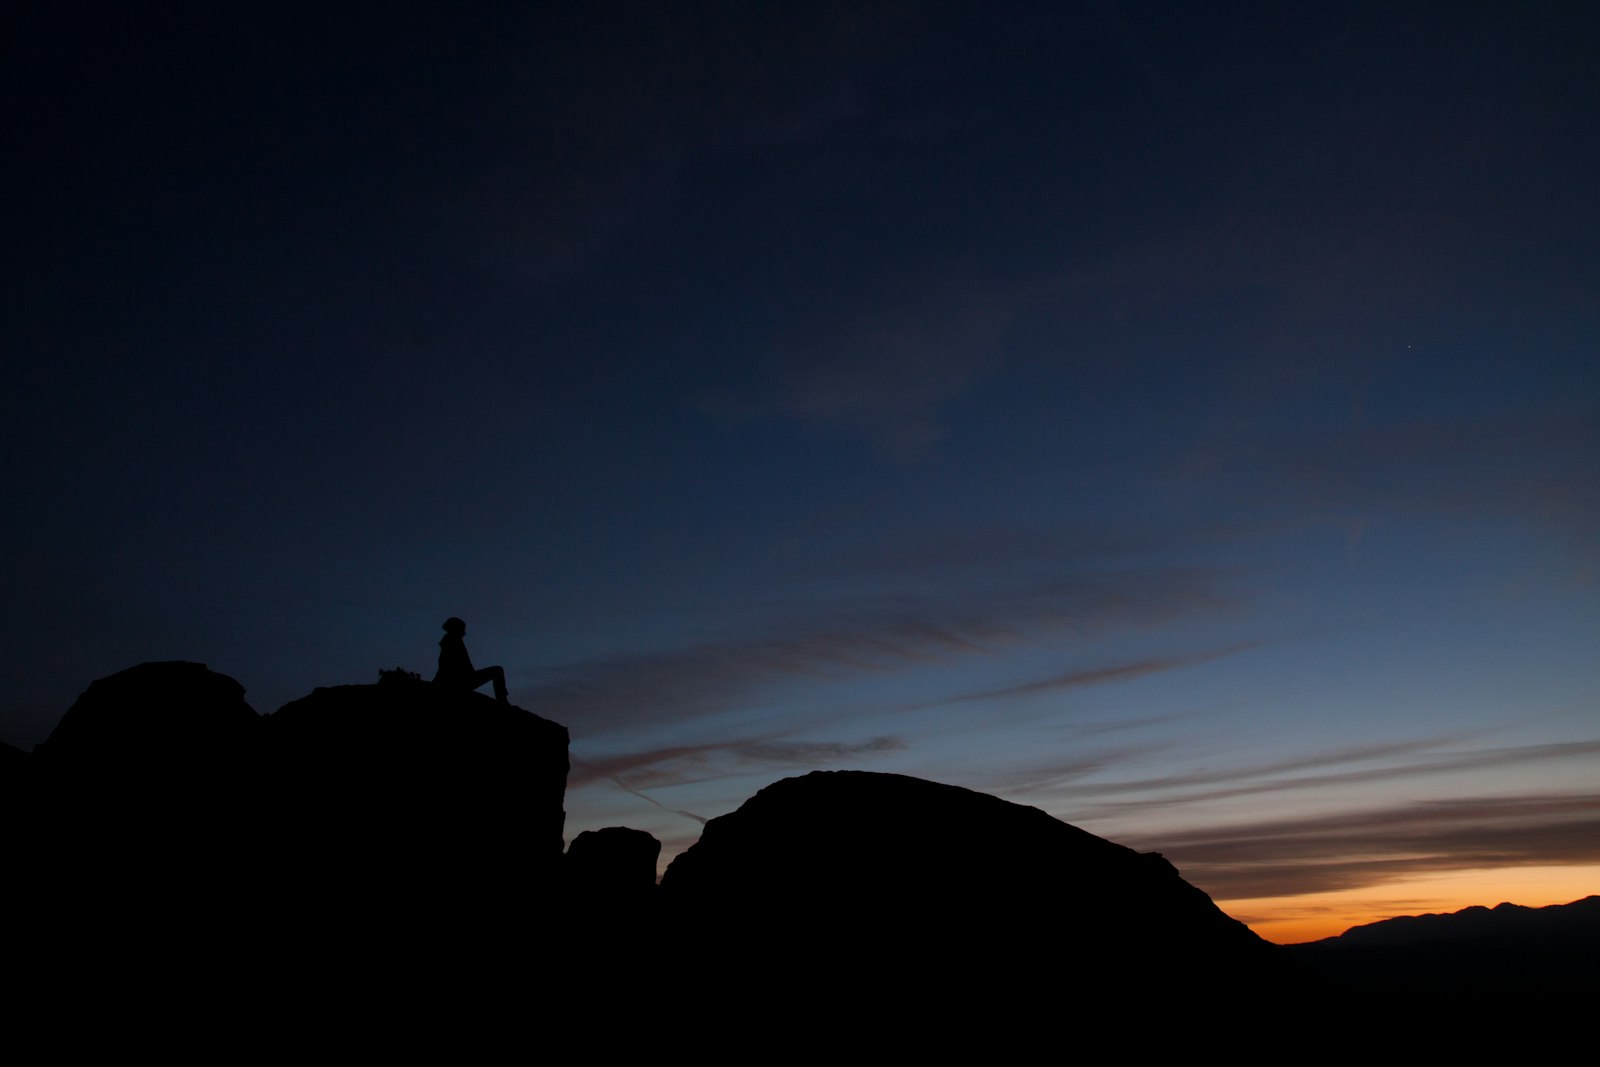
(806, 753)
(1039, 776)
(620, 784)
(1532, 466)
(1443, 764)
(885, 370)
(1037, 779)
(937, 555)
(1351, 850)
(1093, 676)
(1091, 729)
(883, 635)
(685, 764)
(587, 770)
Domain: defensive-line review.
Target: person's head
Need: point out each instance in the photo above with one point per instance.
(453, 625)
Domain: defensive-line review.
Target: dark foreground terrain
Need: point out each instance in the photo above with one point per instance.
(388, 860)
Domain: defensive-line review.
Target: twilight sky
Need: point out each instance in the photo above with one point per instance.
(1183, 418)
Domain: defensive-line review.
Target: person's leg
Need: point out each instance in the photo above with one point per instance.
(495, 675)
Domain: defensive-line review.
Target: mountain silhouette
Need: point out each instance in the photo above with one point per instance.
(1509, 952)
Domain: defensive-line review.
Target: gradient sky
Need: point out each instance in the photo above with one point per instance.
(1180, 417)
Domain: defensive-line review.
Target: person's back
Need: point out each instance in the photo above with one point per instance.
(455, 665)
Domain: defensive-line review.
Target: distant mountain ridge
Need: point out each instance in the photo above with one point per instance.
(1512, 953)
(1555, 922)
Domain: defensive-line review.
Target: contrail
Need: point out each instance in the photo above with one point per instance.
(676, 811)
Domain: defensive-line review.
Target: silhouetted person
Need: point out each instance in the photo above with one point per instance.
(455, 666)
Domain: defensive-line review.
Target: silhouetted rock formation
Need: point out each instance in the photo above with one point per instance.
(611, 903)
(859, 883)
(1508, 952)
(614, 863)
(146, 805)
(167, 817)
(424, 781)
(386, 837)
(178, 718)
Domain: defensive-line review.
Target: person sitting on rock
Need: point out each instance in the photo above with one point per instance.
(455, 666)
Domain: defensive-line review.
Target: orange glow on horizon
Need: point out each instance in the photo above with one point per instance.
(1310, 917)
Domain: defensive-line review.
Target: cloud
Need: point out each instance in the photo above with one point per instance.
(981, 548)
(1533, 467)
(1094, 676)
(1090, 729)
(882, 369)
(588, 769)
(680, 764)
(647, 798)
(1040, 778)
(715, 676)
(872, 634)
(597, 128)
(1530, 464)
(674, 765)
(636, 773)
(1249, 783)
(1351, 850)
(807, 753)
(1346, 850)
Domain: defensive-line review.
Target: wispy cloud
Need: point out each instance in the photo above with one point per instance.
(1041, 778)
(982, 548)
(1533, 466)
(808, 753)
(679, 764)
(588, 769)
(1266, 778)
(647, 798)
(676, 765)
(1355, 849)
(1119, 672)
(639, 773)
(882, 370)
(561, 195)
(871, 635)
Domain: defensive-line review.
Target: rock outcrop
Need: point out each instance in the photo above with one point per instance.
(615, 864)
(147, 807)
(381, 835)
(179, 719)
(854, 881)
(419, 785)
(163, 808)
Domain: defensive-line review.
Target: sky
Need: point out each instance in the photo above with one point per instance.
(1182, 418)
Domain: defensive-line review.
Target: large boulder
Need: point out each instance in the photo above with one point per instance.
(156, 719)
(616, 863)
(854, 882)
(151, 768)
(420, 791)
(165, 809)
(611, 898)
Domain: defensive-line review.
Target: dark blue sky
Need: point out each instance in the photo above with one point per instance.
(1180, 417)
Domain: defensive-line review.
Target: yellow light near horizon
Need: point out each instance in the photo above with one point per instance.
(1290, 920)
